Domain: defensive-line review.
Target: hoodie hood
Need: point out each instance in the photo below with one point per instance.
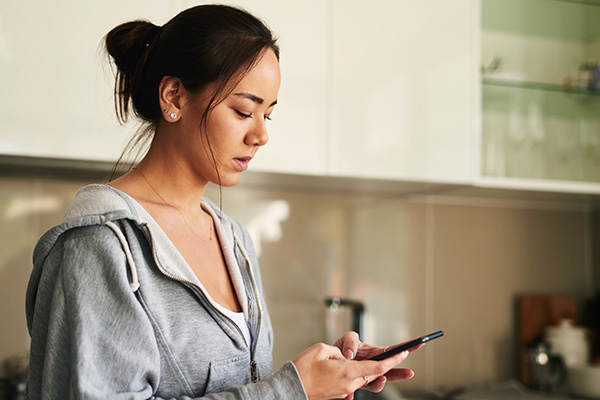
(93, 205)
(98, 200)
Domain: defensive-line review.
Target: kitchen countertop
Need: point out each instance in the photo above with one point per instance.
(507, 390)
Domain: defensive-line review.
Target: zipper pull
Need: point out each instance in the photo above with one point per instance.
(253, 371)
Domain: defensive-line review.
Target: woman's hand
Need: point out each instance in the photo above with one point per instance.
(353, 349)
(327, 374)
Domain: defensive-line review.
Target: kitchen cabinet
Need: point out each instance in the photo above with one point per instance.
(392, 100)
(59, 86)
(56, 84)
(405, 90)
(430, 92)
(541, 95)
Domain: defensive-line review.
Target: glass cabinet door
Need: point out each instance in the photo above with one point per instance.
(541, 89)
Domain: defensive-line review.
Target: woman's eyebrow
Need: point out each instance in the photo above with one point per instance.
(254, 98)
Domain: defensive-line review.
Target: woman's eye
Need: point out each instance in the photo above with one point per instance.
(243, 115)
(268, 117)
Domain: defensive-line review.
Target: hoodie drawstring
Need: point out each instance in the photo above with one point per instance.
(247, 258)
(135, 284)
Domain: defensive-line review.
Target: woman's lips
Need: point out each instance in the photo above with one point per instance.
(242, 162)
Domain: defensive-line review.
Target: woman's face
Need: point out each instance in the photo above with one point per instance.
(237, 127)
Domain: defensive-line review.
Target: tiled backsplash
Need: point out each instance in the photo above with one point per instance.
(418, 265)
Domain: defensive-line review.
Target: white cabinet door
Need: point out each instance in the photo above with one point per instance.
(297, 132)
(405, 89)
(56, 84)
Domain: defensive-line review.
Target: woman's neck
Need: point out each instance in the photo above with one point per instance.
(161, 177)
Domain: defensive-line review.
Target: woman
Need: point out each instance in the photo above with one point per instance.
(146, 290)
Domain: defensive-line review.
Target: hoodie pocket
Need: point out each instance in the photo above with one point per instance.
(227, 373)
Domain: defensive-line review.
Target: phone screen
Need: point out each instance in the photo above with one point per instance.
(407, 345)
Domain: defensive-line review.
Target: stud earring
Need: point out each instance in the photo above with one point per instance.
(166, 110)
(173, 115)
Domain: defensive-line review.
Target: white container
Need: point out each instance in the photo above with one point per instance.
(584, 381)
(569, 342)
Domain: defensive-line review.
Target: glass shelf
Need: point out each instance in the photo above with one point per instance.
(534, 129)
(540, 131)
(547, 87)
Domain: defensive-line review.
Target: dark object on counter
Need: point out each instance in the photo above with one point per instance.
(13, 386)
(548, 370)
(591, 320)
(5, 389)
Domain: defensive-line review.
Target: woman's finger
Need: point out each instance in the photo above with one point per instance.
(399, 374)
(376, 385)
(348, 345)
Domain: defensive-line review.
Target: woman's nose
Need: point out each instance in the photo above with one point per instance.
(258, 136)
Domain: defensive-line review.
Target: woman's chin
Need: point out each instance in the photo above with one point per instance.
(228, 181)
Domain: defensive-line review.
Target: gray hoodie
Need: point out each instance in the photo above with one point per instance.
(114, 312)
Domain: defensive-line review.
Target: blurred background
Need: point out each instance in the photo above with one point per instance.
(432, 164)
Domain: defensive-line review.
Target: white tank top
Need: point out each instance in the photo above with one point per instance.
(237, 317)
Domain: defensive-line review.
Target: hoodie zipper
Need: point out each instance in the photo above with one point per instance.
(253, 365)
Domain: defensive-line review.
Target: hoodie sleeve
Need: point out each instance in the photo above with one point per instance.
(91, 338)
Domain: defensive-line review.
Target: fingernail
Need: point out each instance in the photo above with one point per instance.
(349, 354)
(404, 355)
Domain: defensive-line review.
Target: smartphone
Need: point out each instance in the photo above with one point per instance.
(407, 346)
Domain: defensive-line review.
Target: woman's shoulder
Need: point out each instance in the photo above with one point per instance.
(98, 199)
(87, 216)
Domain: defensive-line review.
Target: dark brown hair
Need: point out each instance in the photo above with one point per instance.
(201, 45)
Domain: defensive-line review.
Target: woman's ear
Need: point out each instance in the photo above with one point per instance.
(169, 97)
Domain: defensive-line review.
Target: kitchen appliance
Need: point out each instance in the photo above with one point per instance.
(14, 386)
(535, 313)
(570, 342)
(548, 369)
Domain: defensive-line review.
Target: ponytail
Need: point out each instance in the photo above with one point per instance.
(129, 45)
